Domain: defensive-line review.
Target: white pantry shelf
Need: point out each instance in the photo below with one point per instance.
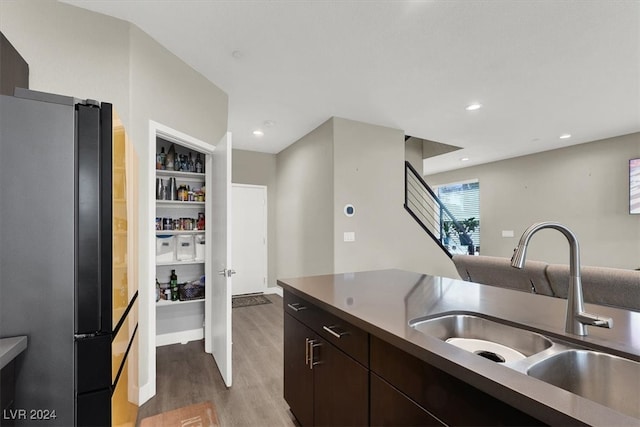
(173, 232)
(184, 176)
(168, 303)
(162, 264)
(176, 204)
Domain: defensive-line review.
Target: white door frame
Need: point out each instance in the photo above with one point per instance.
(147, 303)
(265, 256)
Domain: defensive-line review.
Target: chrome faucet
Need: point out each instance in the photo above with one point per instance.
(577, 318)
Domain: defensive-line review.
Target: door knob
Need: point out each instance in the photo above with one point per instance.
(226, 272)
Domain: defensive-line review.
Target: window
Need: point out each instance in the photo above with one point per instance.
(463, 201)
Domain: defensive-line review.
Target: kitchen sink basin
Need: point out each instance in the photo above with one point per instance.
(603, 378)
(609, 380)
(468, 331)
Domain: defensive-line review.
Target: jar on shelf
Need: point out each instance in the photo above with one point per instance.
(161, 159)
(183, 193)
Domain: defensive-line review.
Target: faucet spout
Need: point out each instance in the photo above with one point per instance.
(577, 319)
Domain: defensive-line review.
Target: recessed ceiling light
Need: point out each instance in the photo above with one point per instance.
(269, 123)
(464, 159)
(565, 136)
(236, 54)
(474, 106)
(258, 132)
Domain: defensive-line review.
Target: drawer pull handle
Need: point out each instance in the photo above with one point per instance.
(296, 306)
(335, 331)
(306, 351)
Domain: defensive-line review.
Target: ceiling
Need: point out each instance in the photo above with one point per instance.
(540, 68)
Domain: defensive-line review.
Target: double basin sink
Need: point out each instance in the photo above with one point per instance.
(609, 380)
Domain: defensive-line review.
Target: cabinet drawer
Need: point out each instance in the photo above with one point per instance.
(301, 309)
(440, 393)
(347, 337)
(390, 407)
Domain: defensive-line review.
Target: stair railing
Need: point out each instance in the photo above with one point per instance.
(430, 213)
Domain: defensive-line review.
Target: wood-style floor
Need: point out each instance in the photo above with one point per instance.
(187, 375)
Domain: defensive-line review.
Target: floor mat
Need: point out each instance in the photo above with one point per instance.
(249, 300)
(198, 415)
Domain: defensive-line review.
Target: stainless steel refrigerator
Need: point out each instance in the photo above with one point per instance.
(56, 254)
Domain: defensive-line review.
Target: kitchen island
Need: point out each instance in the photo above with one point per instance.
(366, 316)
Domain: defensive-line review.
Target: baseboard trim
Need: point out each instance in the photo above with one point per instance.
(181, 337)
(274, 290)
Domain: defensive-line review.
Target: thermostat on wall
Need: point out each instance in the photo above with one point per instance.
(349, 210)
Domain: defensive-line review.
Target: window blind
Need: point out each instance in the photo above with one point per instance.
(463, 201)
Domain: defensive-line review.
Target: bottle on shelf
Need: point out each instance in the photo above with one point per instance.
(192, 165)
(160, 159)
(170, 158)
(200, 224)
(199, 165)
(173, 284)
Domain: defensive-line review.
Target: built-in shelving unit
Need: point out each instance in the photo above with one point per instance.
(176, 320)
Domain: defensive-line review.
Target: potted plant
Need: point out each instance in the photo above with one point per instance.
(447, 229)
(465, 227)
(470, 224)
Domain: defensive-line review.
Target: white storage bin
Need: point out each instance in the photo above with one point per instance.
(165, 248)
(185, 250)
(200, 247)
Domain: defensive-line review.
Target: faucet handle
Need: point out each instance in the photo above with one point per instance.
(594, 320)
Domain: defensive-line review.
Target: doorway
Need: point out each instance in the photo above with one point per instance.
(249, 246)
(214, 312)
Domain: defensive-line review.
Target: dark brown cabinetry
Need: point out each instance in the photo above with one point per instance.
(390, 407)
(14, 70)
(323, 384)
(338, 374)
(445, 397)
(298, 375)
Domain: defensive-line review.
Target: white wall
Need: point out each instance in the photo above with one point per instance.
(369, 173)
(71, 51)
(340, 162)
(305, 205)
(585, 187)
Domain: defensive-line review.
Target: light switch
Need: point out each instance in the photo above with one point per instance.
(349, 236)
(507, 233)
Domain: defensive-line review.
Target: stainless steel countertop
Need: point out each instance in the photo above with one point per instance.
(10, 348)
(383, 302)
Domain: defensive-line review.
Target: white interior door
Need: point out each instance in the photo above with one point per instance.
(249, 238)
(220, 306)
